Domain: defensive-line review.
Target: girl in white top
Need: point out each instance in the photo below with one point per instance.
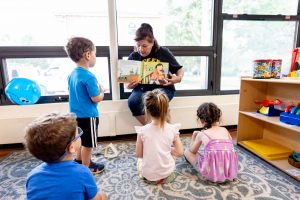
(158, 142)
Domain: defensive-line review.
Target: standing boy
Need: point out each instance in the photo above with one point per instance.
(53, 138)
(84, 95)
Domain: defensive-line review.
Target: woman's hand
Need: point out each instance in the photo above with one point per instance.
(132, 84)
(173, 80)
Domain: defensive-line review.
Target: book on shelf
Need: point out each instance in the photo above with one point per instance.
(142, 72)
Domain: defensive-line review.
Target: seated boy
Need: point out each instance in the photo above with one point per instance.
(53, 138)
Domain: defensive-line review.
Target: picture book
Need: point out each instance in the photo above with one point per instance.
(143, 72)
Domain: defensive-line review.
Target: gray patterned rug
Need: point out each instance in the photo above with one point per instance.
(256, 179)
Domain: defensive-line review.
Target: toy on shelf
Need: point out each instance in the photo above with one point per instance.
(267, 68)
(295, 64)
(276, 68)
(268, 107)
(294, 159)
(291, 115)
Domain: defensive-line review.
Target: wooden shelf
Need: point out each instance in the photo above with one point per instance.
(271, 120)
(255, 126)
(284, 80)
(281, 164)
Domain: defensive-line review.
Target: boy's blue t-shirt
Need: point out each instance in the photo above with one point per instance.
(82, 86)
(61, 180)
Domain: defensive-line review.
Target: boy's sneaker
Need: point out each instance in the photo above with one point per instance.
(95, 168)
(78, 161)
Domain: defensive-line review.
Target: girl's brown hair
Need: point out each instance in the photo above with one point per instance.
(157, 105)
(145, 31)
(209, 113)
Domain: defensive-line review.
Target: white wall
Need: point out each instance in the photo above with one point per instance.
(115, 117)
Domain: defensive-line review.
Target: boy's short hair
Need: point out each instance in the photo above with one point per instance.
(48, 136)
(77, 46)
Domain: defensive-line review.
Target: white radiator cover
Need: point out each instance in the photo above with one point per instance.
(115, 117)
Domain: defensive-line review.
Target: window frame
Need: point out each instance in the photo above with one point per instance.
(248, 17)
(213, 52)
(124, 51)
(42, 52)
(209, 51)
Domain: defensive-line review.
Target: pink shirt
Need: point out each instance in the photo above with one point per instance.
(158, 162)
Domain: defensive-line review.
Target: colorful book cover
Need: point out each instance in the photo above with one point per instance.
(143, 72)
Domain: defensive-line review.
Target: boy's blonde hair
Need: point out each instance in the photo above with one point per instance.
(157, 105)
(48, 136)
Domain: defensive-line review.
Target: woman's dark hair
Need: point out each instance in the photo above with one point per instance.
(209, 113)
(145, 31)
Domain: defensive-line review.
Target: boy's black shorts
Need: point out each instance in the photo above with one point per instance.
(90, 131)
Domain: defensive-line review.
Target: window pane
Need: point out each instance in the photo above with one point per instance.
(175, 23)
(245, 41)
(195, 73)
(51, 73)
(267, 7)
(52, 22)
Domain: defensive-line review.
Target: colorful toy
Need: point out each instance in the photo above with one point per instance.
(267, 102)
(291, 115)
(268, 107)
(296, 156)
(294, 159)
(295, 64)
(276, 68)
(294, 110)
(267, 68)
(23, 91)
(288, 108)
(262, 69)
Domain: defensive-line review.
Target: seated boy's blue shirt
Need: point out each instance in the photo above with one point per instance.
(82, 86)
(61, 180)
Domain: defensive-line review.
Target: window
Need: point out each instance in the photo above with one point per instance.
(175, 23)
(51, 73)
(195, 73)
(216, 41)
(185, 27)
(255, 30)
(31, 44)
(52, 22)
(246, 41)
(262, 7)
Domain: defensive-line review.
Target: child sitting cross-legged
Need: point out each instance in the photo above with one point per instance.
(54, 138)
(219, 161)
(157, 142)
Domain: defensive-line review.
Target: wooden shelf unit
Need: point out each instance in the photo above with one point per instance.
(253, 126)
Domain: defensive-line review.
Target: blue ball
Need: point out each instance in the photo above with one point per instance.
(23, 91)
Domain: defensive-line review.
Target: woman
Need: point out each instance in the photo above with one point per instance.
(147, 49)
